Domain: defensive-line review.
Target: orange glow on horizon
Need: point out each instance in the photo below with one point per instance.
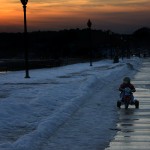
(51, 14)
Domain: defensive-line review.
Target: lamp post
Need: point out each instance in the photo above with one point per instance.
(24, 3)
(89, 24)
(122, 47)
(110, 34)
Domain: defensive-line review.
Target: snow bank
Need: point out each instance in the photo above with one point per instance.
(43, 129)
(47, 127)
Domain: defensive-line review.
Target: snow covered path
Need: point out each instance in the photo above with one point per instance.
(31, 111)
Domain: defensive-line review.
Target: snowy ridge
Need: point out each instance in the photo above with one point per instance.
(44, 128)
(48, 126)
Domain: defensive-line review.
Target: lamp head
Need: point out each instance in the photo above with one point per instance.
(89, 23)
(24, 2)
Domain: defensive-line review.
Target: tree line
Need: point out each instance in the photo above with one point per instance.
(75, 44)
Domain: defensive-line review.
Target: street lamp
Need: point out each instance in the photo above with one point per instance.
(110, 34)
(24, 3)
(122, 47)
(89, 24)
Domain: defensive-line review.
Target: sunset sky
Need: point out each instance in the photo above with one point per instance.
(123, 16)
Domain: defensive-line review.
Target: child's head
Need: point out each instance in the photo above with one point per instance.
(126, 80)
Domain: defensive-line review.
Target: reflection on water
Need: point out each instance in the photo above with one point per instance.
(126, 122)
(129, 111)
(126, 125)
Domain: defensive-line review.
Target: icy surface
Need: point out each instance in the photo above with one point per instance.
(31, 110)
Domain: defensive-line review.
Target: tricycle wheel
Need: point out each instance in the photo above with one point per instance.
(126, 106)
(118, 104)
(136, 104)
